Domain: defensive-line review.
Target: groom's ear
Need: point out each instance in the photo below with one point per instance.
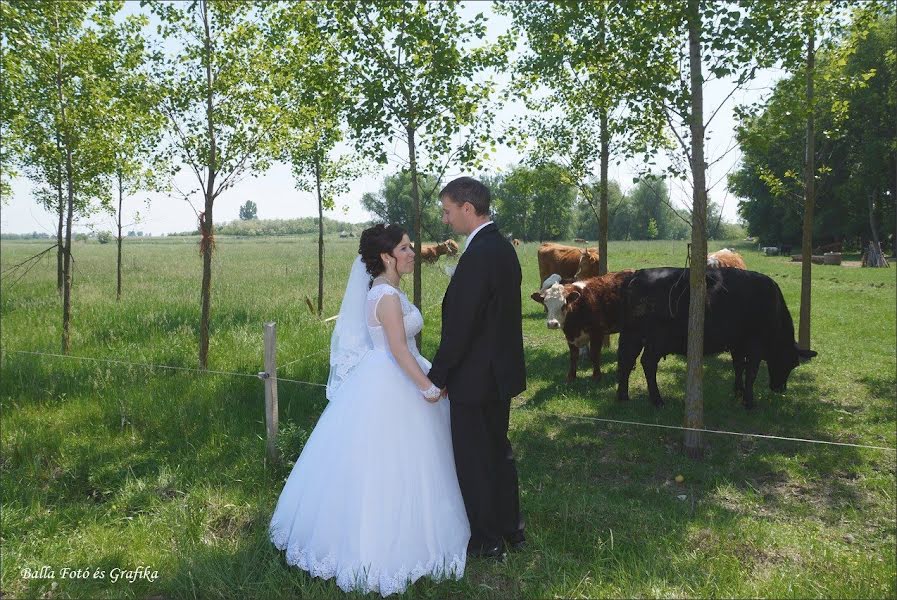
(538, 297)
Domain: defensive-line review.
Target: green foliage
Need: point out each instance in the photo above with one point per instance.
(312, 94)
(854, 107)
(649, 201)
(248, 211)
(217, 91)
(55, 98)
(572, 90)
(104, 237)
(412, 72)
(585, 222)
(393, 204)
(534, 203)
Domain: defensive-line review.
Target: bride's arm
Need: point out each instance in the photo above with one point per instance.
(389, 313)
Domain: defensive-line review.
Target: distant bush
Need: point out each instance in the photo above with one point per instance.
(104, 237)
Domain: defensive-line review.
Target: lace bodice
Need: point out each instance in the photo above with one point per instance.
(414, 321)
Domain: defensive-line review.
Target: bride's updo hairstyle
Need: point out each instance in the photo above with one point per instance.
(375, 241)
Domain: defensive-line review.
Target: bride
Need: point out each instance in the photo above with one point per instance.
(373, 499)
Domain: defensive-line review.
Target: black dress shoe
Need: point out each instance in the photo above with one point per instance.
(515, 541)
(486, 551)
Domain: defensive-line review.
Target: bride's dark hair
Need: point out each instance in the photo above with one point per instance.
(376, 240)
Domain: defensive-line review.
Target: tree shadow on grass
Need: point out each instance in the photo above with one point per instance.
(581, 479)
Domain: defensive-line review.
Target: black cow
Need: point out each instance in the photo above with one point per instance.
(745, 314)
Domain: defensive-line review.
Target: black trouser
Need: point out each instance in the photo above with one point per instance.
(486, 471)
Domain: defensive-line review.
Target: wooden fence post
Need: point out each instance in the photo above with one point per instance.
(270, 377)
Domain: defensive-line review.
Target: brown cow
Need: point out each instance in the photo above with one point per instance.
(586, 310)
(567, 261)
(725, 258)
(452, 246)
(431, 252)
(515, 241)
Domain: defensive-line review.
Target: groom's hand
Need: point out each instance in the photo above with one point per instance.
(443, 394)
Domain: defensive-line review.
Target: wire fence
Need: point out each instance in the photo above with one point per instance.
(263, 375)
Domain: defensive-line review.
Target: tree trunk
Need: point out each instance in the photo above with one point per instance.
(873, 255)
(605, 158)
(69, 171)
(873, 226)
(206, 220)
(67, 258)
(694, 381)
(320, 237)
(803, 336)
(602, 221)
(119, 240)
(415, 199)
(60, 248)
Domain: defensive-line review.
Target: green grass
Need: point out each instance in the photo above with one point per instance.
(106, 466)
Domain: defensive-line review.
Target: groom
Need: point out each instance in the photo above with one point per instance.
(480, 365)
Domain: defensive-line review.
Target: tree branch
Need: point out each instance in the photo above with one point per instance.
(682, 143)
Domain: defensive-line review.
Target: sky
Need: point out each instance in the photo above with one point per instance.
(275, 194)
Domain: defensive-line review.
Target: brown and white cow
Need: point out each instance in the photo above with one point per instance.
(725, 258)
(585, 310)
(569, 262)
(516, 242)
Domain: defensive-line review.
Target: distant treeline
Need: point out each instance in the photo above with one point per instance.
(268, 227)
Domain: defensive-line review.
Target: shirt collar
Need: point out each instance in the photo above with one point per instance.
(474, 232)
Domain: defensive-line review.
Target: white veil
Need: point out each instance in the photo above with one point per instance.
(350, 341)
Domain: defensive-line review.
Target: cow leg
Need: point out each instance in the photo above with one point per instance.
(574, 358)
(738, 362)
(595, 354)
(649, 365)
(628, 348)
(752, 365)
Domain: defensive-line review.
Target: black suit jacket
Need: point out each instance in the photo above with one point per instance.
(482, 328)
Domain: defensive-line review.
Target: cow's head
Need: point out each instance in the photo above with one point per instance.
(558, 300)
(780, 366)
(588, 264)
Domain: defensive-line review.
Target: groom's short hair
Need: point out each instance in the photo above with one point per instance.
(468, 189)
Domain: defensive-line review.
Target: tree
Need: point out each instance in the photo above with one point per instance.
(730, 40)
(411, 74)
(58, 110)
(314, 97)
(582, 118)
(219, 103)
(248, 211)
(133, 121)
(802, 27)
(855, 99)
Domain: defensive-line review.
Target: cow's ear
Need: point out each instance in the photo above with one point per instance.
(572, 297)
(538, 297)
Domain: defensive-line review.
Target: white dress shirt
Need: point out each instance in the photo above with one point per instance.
(473, 233)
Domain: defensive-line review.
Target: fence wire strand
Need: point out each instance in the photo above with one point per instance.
(555, 415)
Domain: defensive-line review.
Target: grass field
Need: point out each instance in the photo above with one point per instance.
(109, 467)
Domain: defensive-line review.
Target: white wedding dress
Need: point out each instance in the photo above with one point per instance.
(373, 499)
